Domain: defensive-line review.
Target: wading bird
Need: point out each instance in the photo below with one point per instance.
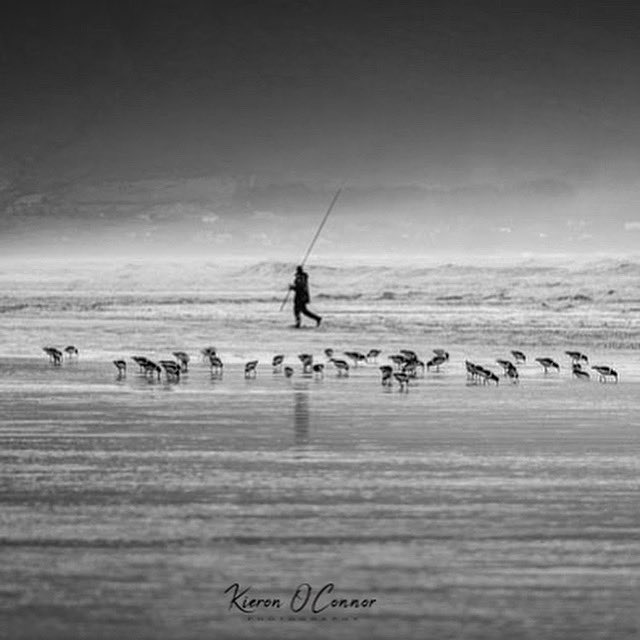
(512, 373)
(605, 372)
(387, 375)
(372, 355)
(509, 369)
(172, 369)
(216, 366)
(251, 369)
(547, 363)
(403, 380)
(307, 362)
(486, 375)
(183, 358)
(55, 355)
(151, 368)
(398, 359)
(141, 361)
(577, 357)
(578, 372)
(276, 363)
(356, 356)
(342, 367)
(437, 361)
(492, 377)
(441, 352)
(472, 370)
(409, 354)
(207, 352)
(121, 366)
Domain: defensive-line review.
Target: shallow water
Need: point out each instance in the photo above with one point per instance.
(130, 505)
(466, 511)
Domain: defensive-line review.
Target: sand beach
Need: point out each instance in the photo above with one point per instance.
(131, 506)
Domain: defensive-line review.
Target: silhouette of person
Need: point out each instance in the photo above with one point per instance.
(301, 298)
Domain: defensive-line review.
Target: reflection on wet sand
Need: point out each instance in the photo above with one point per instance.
(126, 512)
(301, 417)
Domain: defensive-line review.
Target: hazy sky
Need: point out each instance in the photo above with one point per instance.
(515, 115)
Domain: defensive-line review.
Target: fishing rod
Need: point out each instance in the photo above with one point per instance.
(315, 237)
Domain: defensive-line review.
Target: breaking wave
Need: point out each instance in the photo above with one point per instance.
(570, 286)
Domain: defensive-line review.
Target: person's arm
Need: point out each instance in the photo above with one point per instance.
(306, 288)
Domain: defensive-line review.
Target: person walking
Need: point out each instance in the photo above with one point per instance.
(301, 297)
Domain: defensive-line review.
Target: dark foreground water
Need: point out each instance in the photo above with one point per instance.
(128, 507)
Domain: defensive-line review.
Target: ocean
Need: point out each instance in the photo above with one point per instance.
(332, 507)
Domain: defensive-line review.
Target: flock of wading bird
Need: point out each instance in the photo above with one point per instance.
(405, 365)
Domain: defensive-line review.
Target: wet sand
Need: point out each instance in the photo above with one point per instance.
(130, 506)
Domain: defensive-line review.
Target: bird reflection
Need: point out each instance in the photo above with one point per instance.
(301, 417)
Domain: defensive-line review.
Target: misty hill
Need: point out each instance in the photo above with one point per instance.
(225, 127)
(225, 215)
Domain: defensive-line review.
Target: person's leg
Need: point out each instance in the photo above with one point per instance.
(297, 308)
(311, 315)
